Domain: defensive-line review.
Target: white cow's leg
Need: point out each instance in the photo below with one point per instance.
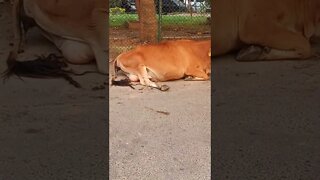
(101, 56)
(254, 53)
(75, 52)
(99, 42)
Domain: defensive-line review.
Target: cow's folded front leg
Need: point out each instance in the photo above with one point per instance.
(250, 53)
(196, 75)
(257, 53)
(191, 78)
(282, 43)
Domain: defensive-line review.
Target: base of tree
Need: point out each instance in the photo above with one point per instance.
(208, 20)
(134, 25)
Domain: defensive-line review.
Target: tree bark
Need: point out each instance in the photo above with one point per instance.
(148, 21)
(138, 8)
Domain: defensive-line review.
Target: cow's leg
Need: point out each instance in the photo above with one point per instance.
(144, 77)
(75, 52)
(100, 41)
(147, 82)
(192, 78)
(140, 74)
(254, 52)
(137, 71)
(133, 78)
(250, 53)
(133, 73)
(101, 57)
(196, 75)
(279, 42)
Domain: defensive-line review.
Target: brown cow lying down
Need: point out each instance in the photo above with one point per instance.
(265, 30)
(78, 28)
(169, 60)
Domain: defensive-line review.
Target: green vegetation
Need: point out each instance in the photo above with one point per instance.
(119, 20)
(178, 20)
(117, 10)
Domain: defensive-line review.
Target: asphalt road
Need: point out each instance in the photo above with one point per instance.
(266, 119)
(160, 135)
(50, 129)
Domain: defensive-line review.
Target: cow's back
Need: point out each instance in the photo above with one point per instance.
(177, 53)
(175, 58)
(236, 22)
(76, 17)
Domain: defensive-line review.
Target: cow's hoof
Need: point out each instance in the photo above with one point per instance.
(164, 88)
(250, 53)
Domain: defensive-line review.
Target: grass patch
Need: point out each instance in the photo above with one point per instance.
(119, 20)
(167, 20)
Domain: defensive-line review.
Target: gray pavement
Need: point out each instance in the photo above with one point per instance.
(266, 122)
(160, 135)
(49, 129)
(266, 118)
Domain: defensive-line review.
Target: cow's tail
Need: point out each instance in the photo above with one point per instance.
(17, 6)
(123, 82)
(12, 57)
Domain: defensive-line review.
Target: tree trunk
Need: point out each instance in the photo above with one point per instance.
(138, 8)
(148, 21)
(190, 7)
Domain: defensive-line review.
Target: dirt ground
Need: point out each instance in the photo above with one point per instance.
(49, 129)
